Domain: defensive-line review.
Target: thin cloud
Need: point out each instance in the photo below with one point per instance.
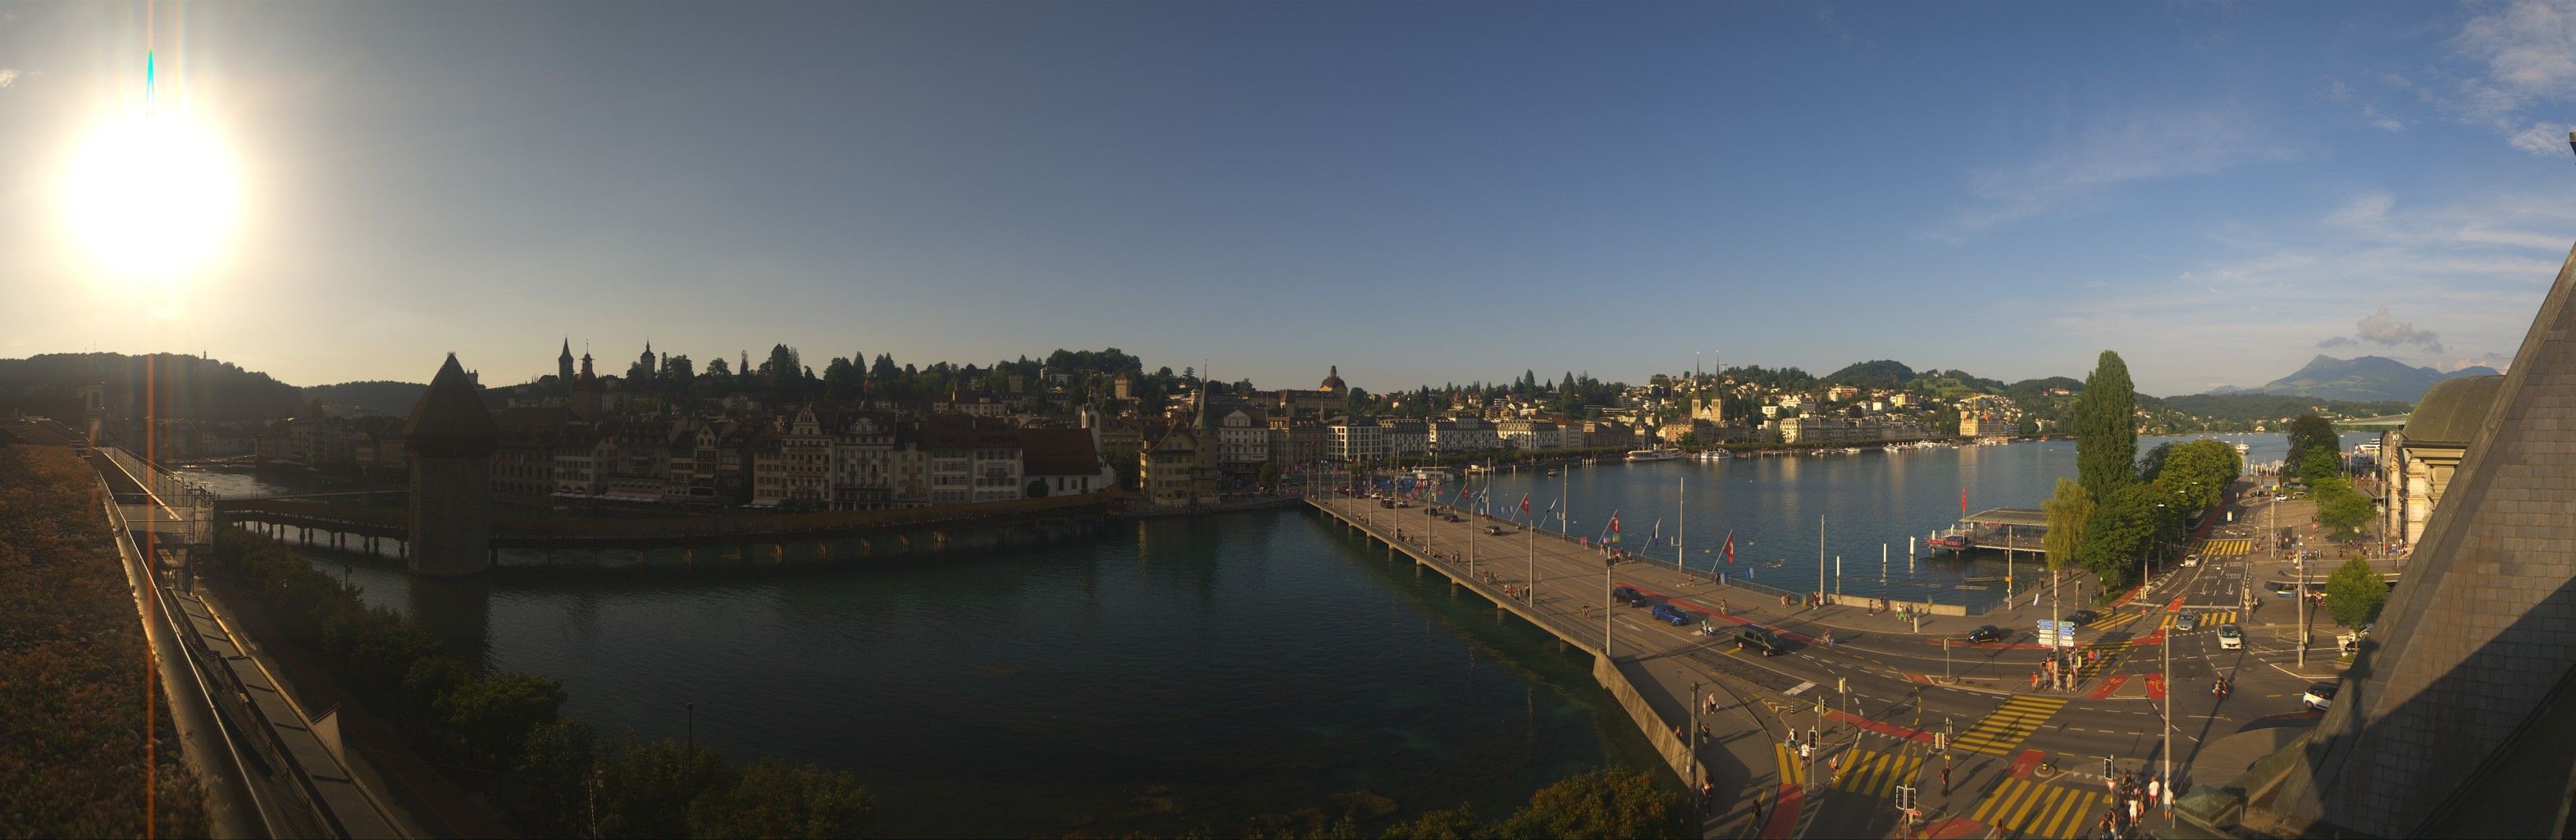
(8, 76)
(2335, 341)
(2110, 155)
(2529, 53)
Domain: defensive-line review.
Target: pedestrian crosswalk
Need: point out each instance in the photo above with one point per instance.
(2114, 621)
(1793, 770)
(2208, 619)
(2238, 547)
(2034, 809)
(2008, 725)
(1877, 774)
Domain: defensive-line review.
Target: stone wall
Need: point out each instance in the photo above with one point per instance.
(451, 525)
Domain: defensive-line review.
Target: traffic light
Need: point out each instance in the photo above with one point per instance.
(2107, 770)
(1905, 799)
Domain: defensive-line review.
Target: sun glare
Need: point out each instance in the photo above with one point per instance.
(151, 197)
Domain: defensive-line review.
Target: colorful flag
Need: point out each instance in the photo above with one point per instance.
(1525, 504)
(1730, 545)
(1963, 500)
(1614, 526)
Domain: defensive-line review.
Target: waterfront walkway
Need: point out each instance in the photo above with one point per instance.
(1561, 585)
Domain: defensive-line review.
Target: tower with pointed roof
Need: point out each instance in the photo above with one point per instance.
(451, 438)
(563, 365)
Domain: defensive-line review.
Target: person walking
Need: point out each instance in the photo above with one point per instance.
(1945, 777)
(2155, 789)
(1757, 811)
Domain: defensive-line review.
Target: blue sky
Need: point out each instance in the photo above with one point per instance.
(1413, 192)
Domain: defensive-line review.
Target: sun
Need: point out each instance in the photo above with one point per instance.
(151, 196)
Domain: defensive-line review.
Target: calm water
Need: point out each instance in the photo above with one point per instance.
(1871, 502)
(1180, 674)
(1177, 674)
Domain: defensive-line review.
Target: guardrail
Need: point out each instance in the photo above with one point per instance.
(139, 573)
(221, 688)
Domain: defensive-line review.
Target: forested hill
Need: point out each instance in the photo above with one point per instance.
(175, 386)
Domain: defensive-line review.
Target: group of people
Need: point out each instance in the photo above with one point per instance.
(2061, 673)
(2131, 799)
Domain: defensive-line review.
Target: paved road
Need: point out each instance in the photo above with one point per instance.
(2028, 762)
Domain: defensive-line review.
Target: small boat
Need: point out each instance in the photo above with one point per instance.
(1654, 454)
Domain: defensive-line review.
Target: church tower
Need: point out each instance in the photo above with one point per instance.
(451, 438)
(646, 361)
(563, 365)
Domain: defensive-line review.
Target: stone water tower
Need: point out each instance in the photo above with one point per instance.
(450, 438)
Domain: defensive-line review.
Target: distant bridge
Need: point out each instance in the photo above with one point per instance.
(560, 533)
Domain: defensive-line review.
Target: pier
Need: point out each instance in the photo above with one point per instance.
(385, 530)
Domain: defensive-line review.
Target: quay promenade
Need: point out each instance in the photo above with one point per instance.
(1654, 675)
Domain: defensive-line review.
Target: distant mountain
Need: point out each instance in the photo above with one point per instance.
(391, 399)
(168, 385)
(2365, 379)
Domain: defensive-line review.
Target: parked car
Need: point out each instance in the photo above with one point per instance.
(1627, 596)
(2230, 637)
(1986, 633)
(2318, 696)
(2080, 618)
(2187, 623)
(1493, 530)
(1761, 639)
(1672, 615)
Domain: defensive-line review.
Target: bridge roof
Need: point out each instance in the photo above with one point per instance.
(2024, 517)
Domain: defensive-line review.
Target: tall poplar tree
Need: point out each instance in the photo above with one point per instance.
(2106, 429)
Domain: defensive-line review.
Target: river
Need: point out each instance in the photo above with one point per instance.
(1180, 674)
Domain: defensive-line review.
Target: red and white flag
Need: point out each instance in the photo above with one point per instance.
(1524, 504)
(1730, 546)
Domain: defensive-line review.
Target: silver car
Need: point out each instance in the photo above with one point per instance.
(2188, 622)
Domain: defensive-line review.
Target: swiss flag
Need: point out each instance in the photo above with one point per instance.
(1614, 522)
(1730, 546)
(1524, 504)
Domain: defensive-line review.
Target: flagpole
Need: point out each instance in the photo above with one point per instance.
(1681, 528)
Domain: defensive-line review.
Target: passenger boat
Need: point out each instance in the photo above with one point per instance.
(1655, 454)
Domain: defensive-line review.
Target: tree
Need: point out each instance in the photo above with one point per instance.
(2342, 510)
(2308, 434)
(1457, 823)
(645, 787)
(1268, 474)
(2354, 593)
(774, 799)
(841, 378)
(2153, 464)
(1037, 488)
(1609, 802)
(495, 715)
(2106, 430)
(2069, 510)
(2122, 529)
(2319, 465)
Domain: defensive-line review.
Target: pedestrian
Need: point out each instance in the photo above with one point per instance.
(2136, 812)
(1945, 778)
(1757, 810)
(1807, 751)
(1703, 733)
(2155, 788)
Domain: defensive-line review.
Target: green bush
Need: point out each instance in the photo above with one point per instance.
(73, 669)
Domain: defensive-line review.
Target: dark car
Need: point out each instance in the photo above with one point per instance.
(1757, 638)
(1627, 596)
(1987, 633)
(2080, 618)
(1672, 615)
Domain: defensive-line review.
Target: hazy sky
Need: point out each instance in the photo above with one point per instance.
(1421, 192)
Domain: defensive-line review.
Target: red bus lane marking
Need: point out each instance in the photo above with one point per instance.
(1784, 812)
(2176, 606)
(2155, 686)
(2112, 684)
(2024, 763)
